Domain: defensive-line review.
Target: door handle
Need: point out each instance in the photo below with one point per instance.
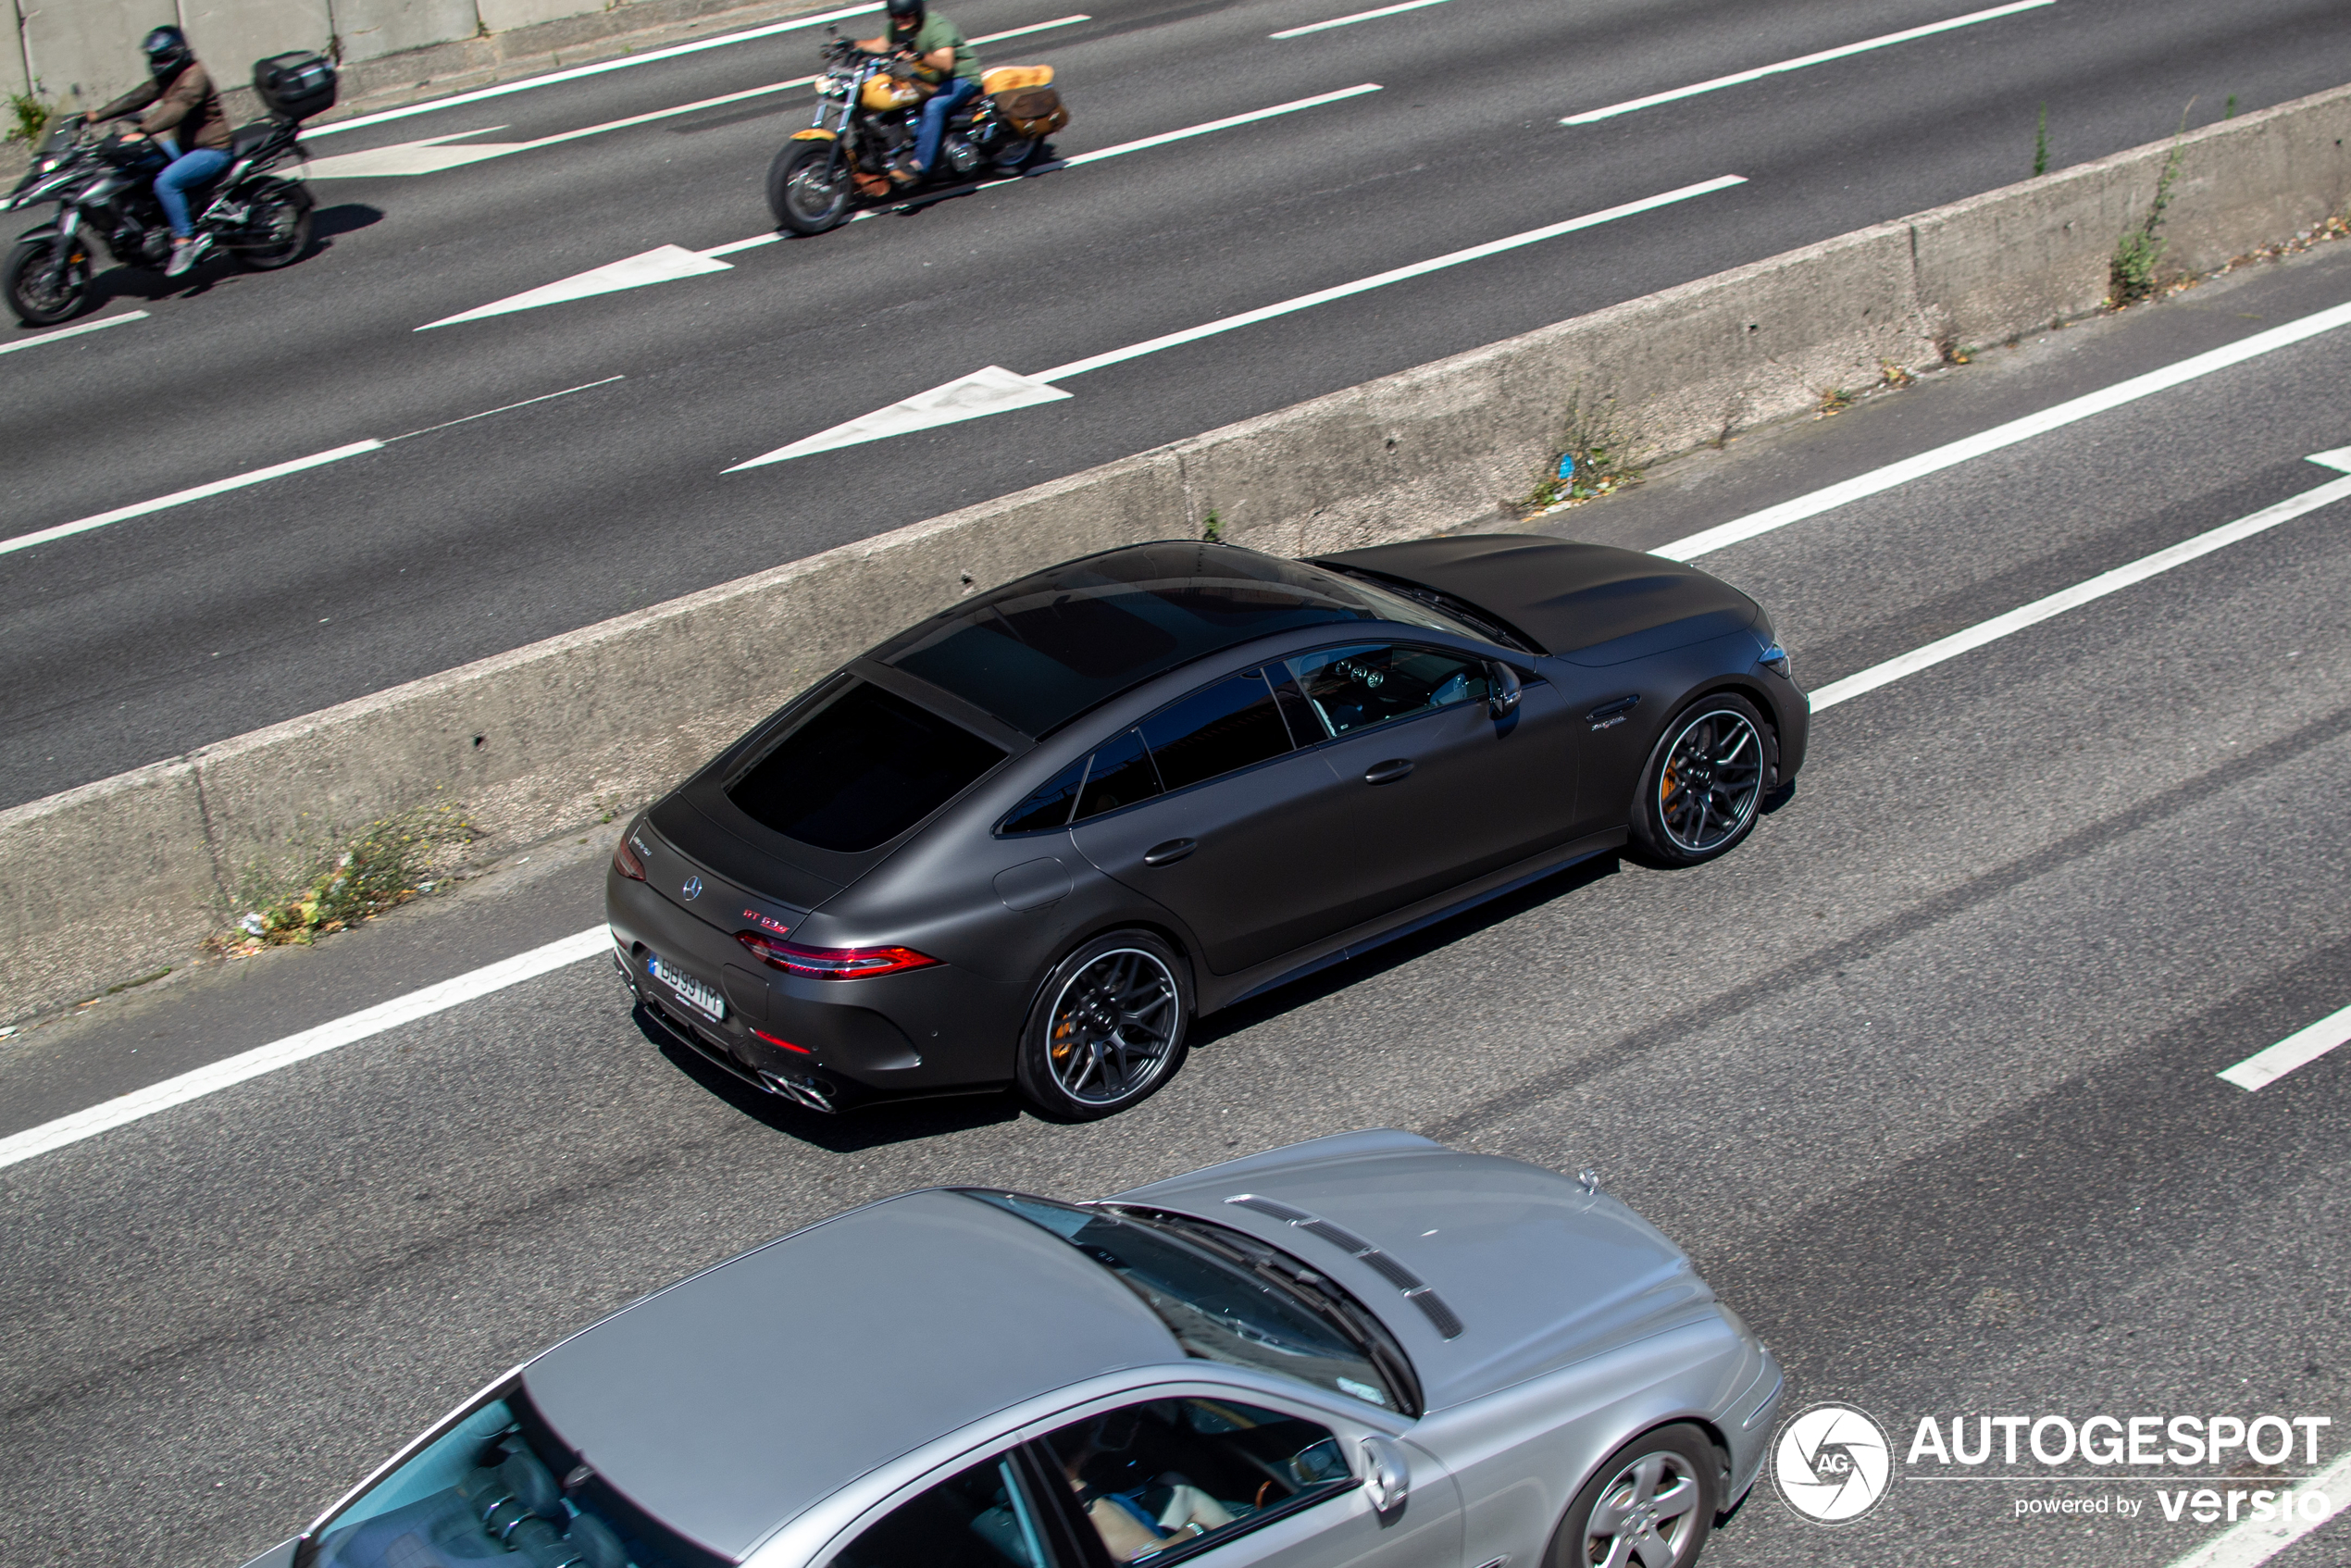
(1169, 852)
(1388, 772)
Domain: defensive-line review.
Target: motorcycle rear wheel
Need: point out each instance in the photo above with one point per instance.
(284, 215)
(40, 293)
(1015, 156)
(808, 187)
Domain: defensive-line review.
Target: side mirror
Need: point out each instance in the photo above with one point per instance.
(1502, 686)
(1386, 1476)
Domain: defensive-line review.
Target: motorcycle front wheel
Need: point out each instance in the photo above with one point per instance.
(809, 188)
(280, 228)
(40, 291)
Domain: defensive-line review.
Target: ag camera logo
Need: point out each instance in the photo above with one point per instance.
(1831, 1463)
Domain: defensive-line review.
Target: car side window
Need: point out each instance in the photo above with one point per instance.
(1049, 807)
(1122, 774)
(982, 1518)
(1154, 1477)
(1353, 689)
(1218, 730)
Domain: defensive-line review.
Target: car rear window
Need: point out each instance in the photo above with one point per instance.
(860, 770)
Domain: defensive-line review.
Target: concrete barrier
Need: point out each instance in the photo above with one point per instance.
(109, 880)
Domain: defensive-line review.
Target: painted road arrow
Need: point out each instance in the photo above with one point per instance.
(998, 390)
(662, 265)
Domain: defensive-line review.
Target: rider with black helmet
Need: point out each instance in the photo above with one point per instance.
(942, 58)
(182, 115)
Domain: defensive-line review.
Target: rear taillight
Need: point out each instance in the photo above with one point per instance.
(624, 861)
(831, 963)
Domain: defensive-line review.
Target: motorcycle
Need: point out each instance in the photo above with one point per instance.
(867, 107)
(104, 186)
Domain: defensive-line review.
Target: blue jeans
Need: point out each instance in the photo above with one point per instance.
(959, 90)
(184, 173)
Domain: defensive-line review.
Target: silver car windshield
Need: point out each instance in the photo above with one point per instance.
(1228, 1298)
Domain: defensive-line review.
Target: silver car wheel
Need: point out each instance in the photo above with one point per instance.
(1646, 1515)
(1113, 1026)
(1712, 778)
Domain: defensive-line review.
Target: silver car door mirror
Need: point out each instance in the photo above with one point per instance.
(1386, 1477)
(1503, 689)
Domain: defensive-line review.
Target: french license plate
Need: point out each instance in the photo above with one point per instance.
(703, 999)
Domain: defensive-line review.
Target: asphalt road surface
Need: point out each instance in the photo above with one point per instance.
(1924, 1075)
(146, 638)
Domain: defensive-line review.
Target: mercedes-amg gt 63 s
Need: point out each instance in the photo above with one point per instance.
(1367, 1349)
(1031, 838)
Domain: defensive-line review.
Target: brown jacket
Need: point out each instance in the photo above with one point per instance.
(188, 109)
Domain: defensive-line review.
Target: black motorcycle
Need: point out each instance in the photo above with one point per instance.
(104, 185)
(868, 109)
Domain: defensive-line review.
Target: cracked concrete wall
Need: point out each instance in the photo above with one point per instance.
(113, 879)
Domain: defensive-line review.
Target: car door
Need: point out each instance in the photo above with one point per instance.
(1234, 1479)
(1206, 809)
(1434, 788)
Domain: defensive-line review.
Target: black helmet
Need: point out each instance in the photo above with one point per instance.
(905, 13)
(167, 50)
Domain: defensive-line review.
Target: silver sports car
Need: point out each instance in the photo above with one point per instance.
(1368, 1349)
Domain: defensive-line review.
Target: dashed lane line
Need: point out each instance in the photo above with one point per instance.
(1350, 21)
(1842, 52)
(262, 476)
(232, 1070)
(2297, 1050)
(1878, 481)
(1944, 649)
(98, 326)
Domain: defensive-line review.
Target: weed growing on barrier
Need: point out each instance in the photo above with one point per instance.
(2140, 251)
(1892, 376)
(1591, 461)
(2041, 144)
(2228, 110)
(32, 117)
(1212, 529)
(1834, 401)
(389, 863)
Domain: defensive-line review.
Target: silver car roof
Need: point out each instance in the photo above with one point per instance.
(734, 1399)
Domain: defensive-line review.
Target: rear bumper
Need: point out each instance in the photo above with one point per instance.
(829, 1044)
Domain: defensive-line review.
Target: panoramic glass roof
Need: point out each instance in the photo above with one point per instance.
(1038, 651)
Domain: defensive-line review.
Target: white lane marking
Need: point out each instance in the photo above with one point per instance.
(1317, 101)
(2080, 593)
(1739, 78)
(2252, 1543)
(182, 497)
(2297, 1050)
(1878, 481)
(98, 326)
(666, 263)
(1349, 21)
(662, 265)
(231, 1070)
(551, 79)
(996, 390)
(261, 476)
(431, 156)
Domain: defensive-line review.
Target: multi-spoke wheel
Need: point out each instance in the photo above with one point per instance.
(809, 188)
(1108, 1026)
(1649, 1506)
(1704, 782)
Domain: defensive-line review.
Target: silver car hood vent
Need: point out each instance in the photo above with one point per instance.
(1415, 1289)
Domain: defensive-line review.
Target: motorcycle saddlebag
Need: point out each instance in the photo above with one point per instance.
(1032, 111)
(295, 86)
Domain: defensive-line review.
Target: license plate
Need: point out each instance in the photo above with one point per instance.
(703, 999)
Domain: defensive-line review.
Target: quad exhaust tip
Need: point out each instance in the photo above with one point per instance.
(807, 1094)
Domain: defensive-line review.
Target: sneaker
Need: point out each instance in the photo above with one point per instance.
(186, 254)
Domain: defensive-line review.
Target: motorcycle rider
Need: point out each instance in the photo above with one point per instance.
(185, 119)
(943, 58)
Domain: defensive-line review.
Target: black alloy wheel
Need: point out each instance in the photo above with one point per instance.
(278, 228)
(42, 291)
(1650, 1504)
(1107, 1028)
(809, 188)
(1703, 784)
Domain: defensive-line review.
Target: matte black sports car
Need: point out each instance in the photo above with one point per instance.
(1031, 838)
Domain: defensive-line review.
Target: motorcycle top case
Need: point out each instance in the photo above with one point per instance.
(295, 86)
